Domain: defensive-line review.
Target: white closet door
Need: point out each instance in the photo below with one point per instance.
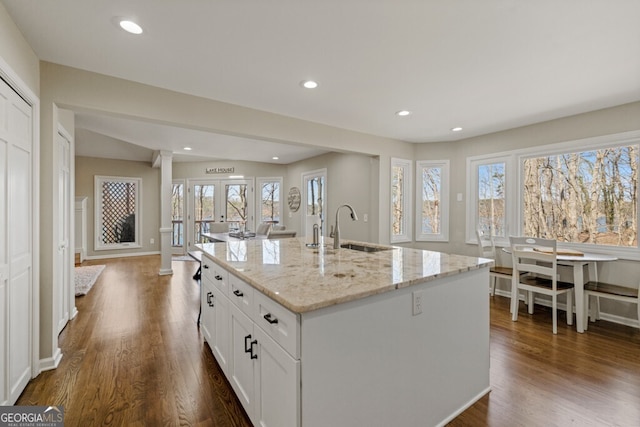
(64, 262)
(17, 252)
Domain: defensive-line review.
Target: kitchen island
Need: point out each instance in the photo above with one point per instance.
(319, 336)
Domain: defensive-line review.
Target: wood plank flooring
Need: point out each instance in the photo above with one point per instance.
(134, 356)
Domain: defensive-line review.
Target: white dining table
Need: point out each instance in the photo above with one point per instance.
(577, 262)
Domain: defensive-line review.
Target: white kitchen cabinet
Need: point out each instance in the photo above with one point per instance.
(255, 342)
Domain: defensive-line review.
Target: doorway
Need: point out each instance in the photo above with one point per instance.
(314, 201)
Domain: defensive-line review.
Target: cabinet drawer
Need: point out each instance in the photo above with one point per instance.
(241, 294)
(279, 323)
(216, 274)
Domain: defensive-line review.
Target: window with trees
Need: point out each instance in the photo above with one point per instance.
(583, 196)
(269, 200)
(401, 176)
(117, 209)
(177, 214)
(432, 206)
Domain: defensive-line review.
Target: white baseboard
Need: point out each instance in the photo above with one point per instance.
(125, 255)
(51, 362)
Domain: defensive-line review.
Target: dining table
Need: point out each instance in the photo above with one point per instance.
(577, 260)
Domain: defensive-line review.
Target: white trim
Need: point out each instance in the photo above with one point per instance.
(52, 362)
(407, 194)
(443, 235)
(13, 79)
(123, 255)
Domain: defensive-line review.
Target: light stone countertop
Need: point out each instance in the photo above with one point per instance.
(304, 279)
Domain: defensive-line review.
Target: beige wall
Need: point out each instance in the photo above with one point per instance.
(88, 167)
(17, 53)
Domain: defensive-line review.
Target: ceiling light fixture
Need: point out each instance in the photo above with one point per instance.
(236, 176)
(275, 158)
(309, 84)
(403, 113)
(130, 26)
(187, 148)
(456, 129)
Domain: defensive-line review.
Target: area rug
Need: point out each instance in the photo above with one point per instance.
(85, 277)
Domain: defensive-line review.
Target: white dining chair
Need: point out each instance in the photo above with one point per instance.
(488, 250)
(537, 259)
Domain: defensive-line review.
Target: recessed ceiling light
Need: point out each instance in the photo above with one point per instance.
(275, 158)
(187, 148)
(309, 84)
(130, 26)
(456, 129)
(403, 113)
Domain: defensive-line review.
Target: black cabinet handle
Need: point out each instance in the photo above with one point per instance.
(270, 319)
(238, 293)
(247, 344)
(210, 299)
(253, 356)
(205, 266)
(218, 277)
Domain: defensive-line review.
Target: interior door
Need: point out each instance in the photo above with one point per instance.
(314, 201)
(16, 247)
(238, 201)
(64, 258)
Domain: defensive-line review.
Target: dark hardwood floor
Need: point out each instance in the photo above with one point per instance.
(133, 356)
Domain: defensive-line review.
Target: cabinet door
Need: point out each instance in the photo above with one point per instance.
(220, 340)
(277, 384)
(241, 364)
(207, 316)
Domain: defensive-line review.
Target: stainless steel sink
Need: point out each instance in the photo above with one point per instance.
(363, 248)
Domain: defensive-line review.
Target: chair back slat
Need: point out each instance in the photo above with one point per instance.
(535, 256)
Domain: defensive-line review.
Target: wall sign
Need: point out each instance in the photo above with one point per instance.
(219, 170)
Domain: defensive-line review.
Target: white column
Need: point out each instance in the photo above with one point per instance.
(164, 159)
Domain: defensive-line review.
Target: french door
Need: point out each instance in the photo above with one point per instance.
(218, 201)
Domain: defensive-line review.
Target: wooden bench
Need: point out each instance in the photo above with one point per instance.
(197, 255)
(607, 290)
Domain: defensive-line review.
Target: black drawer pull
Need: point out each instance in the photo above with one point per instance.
(253, 356)
(210, 299)
(238, 293)
(205, 266)
(247, 344)
(218, 277)
(270, 319)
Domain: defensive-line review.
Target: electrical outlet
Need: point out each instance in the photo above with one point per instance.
(152, 241)
(365, 217)
(417, 302)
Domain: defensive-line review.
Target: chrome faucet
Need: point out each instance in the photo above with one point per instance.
(336, 232)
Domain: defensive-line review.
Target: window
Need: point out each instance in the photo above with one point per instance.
(117, 212)
(488, 197)
(177, 214)
(400, 200)
(432, 200)
(583, 196)
(237, 204)
(269, 200)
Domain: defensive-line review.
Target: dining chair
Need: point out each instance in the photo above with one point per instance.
(263, 229)
(599, 290)
(488, 250)
(535, 270)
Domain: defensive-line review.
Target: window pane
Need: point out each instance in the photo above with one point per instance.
(431, 200)
(583, 197)
(270, 202)
(177, 220)
(491, 199)
(397, 200)
(203, 208)
(118, 212)
(236, 203)
(314, 196)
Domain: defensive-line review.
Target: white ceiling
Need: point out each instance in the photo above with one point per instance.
(483, 65)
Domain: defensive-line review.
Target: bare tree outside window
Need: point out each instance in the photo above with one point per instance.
(584, 197)
(431, 197)
(397, 200)
(491, 199)
(236, 203)
(177, 218)
(270, 202)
